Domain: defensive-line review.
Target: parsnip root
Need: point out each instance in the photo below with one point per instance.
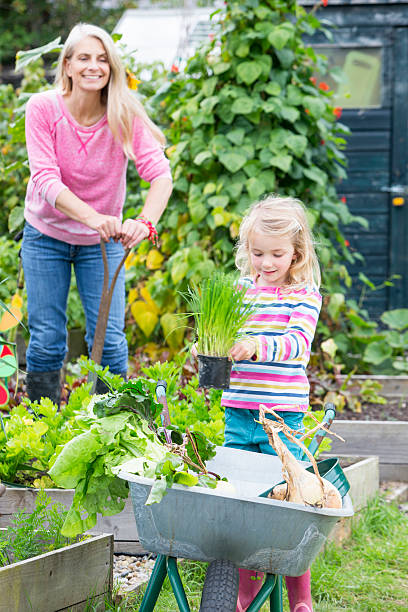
(302, 487)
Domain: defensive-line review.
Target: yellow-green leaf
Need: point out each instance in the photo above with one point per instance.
(173, 329)
(154, 260)
(144, 317)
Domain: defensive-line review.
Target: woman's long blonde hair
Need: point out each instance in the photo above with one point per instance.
(286, 218)
(122, 105)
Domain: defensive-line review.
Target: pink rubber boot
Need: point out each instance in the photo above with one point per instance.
(248, 589)
(300, 597)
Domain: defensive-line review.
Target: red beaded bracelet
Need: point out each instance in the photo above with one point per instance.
(153, 235)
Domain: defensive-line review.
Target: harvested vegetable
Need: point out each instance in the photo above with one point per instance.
(119, 433)
(302, 487)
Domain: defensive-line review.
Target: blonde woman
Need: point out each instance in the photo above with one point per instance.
(279, 267)
(80, 136)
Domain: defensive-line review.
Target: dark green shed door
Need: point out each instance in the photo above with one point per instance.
(370, 44)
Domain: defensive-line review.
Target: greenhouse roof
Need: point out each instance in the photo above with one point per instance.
(166, 35)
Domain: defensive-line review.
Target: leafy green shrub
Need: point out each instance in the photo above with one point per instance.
(28, 23)
(246, 119)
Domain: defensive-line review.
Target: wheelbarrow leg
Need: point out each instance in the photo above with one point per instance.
(155, 584)
(276, 598)
(177, 585)
(271, 588)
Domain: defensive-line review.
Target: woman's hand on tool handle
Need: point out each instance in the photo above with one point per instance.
(157, 197)
(132, 233)
(107, 226)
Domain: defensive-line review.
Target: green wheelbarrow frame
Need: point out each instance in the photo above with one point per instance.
(167, 566)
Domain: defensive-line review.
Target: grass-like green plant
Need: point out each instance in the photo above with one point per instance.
(220, 309)
(34, 533)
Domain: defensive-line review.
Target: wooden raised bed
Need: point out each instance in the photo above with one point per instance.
(363, 476)
(386, 439)
(122, 525)
(69, 578)
(392, 386)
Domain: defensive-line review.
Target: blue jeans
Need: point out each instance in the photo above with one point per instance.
(47, 264)
(243, 432)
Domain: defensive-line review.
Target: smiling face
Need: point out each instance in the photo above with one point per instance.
(271, 258)
(88, 66)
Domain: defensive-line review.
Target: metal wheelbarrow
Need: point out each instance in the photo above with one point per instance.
(230, 531)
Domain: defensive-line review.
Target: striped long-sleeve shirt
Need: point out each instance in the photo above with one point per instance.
(282, 326)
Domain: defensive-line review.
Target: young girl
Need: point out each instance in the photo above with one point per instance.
(279, 266)
(80, 137)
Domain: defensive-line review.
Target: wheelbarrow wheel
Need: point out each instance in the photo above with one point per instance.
(220, 590)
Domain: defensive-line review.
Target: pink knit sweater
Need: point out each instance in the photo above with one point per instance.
(86, 160)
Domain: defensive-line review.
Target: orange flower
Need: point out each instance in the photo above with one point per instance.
(337, 112)
(325, 2)
(132, 81)
(174, 68)
(346, 243)
(307, 111)
(184, 118)
(313, 80)
(324, 86)
(343, 199)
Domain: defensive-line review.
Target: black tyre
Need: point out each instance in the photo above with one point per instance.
(220, 591)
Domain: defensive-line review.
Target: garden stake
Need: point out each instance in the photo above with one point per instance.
(103, 313)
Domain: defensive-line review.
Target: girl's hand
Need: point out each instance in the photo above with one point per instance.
(245, 349)
(194, 351)
(132, 233)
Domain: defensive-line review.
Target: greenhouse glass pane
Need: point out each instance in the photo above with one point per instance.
(358, 82)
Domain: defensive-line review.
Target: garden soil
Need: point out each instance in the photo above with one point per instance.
(393, 410)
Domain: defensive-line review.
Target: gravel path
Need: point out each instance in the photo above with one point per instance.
(131, 571)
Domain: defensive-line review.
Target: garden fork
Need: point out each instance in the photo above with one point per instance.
(103, 313)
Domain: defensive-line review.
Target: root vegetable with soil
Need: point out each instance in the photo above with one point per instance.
(301, 487)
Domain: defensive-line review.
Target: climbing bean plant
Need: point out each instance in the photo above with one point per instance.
(249, 115)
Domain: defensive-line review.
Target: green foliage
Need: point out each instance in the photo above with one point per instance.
(33, 433)
(35, 533)
(197, 409)
(28, 23)
(220, 309)
(309, 423)
(119, 433)
(244, 120)
(380, 349)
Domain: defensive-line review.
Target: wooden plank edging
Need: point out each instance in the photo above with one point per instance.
(59, 579)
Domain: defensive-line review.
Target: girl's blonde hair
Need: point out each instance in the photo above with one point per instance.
(122, 105)
(286, 218)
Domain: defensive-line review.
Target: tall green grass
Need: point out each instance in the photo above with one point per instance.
(220, 310)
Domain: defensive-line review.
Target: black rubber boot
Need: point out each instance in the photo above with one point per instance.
(101, 388)
(44, 384)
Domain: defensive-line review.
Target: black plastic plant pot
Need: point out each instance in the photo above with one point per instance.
(214, 372)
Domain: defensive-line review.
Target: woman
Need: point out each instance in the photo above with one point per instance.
(80, 136)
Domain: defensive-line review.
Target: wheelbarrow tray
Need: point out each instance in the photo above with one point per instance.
(253, 532)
